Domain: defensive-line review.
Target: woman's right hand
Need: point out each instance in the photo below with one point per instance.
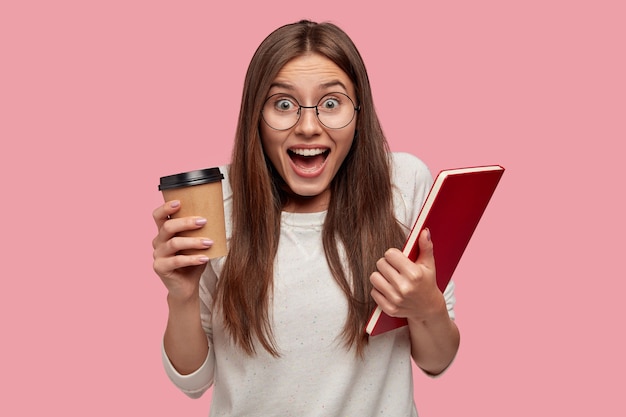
(180, 273)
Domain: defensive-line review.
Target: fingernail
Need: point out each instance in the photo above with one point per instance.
(175, 204)
(200, 221)
(207, 242)
(428, 234)
(203, 259)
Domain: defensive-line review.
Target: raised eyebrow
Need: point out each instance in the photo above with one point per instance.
(282, 85)
(334, 83)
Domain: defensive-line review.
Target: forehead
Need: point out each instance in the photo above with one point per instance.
(312, 73)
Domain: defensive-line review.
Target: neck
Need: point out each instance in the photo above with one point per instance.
(300, 204)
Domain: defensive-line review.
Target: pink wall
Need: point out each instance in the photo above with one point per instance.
(99, 99)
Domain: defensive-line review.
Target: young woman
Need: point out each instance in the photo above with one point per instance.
(315, 206)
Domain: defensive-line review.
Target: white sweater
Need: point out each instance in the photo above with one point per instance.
(315, 374)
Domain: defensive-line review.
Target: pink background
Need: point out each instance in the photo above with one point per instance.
(100, 98)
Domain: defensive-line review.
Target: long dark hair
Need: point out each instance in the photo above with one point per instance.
(360, 215)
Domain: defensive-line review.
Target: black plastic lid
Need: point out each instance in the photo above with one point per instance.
(186, 179)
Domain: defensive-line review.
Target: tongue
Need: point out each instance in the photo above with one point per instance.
(308, 162)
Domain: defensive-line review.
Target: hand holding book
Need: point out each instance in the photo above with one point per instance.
(404, 288)
(451, 212)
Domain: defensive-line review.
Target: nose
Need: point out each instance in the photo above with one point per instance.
(308, 123)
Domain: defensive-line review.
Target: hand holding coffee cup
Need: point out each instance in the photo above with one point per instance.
(200, 194)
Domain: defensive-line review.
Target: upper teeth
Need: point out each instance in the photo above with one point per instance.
(308, 152)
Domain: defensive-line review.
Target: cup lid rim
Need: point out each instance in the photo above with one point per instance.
(189, 178)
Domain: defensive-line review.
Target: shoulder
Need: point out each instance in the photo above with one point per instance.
(409, 170)
(411, 181)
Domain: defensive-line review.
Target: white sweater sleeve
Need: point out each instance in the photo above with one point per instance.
(196, 383)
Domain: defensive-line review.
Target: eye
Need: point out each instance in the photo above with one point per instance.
(285, 104)
(330, 103)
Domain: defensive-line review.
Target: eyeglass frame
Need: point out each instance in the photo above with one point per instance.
(317, 113)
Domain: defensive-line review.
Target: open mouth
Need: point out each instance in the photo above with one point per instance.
(308, 160)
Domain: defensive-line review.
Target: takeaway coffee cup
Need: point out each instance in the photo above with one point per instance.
(200, 194)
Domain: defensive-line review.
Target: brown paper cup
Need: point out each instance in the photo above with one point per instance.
(200, 194)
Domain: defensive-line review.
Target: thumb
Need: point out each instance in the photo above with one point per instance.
(426, 256)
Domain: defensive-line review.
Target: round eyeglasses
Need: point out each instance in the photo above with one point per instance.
(334, 110)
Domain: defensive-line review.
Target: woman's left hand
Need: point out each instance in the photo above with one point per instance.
(403, 288)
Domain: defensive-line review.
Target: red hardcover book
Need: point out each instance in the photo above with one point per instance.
(451, 212)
